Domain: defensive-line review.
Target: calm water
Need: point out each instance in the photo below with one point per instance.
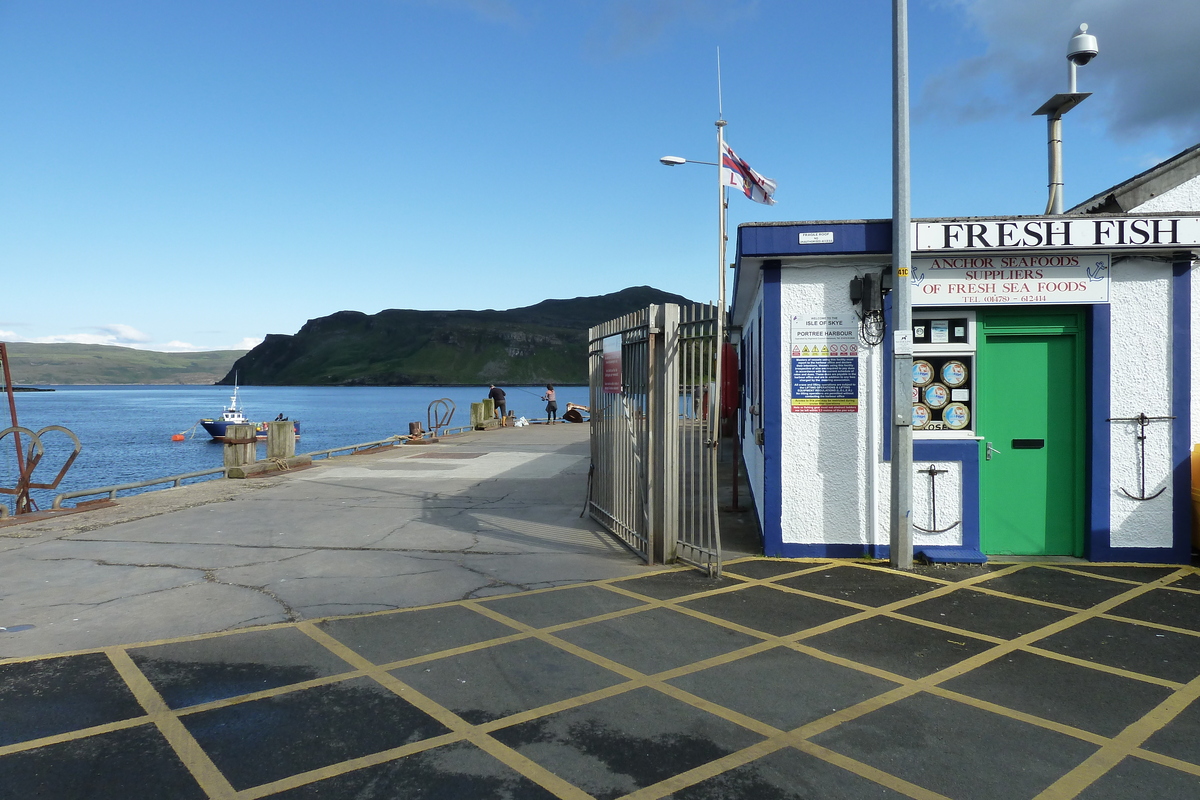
(126, 430)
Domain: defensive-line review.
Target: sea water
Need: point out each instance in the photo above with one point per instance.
(126, 430)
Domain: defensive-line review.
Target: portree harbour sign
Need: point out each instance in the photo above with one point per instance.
(1057, 233)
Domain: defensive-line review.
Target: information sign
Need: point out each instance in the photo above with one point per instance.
(824, 363)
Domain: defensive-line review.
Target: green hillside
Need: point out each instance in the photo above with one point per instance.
(543, 343)
(53, 364)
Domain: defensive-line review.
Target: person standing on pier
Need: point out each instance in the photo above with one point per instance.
(551, 405)
(497, 396)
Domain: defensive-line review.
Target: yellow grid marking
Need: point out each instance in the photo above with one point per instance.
(82, 733)
(867, 771)
(1112, 751)
(181, 740)
(1122, 745)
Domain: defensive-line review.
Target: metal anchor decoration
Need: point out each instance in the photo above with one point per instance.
(1142, 420)
(33, 458)
(932, 471)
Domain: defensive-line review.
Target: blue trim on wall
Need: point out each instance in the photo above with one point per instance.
(772, 410)
(1098, 459)
(966, 452)
(1181, 409)
(866, 236)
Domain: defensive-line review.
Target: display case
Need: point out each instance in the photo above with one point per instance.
(943, 373)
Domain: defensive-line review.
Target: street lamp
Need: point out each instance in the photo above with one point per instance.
(722, 239)
(675, 161)
(1080, 51)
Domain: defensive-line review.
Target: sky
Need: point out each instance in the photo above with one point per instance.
(196, 175)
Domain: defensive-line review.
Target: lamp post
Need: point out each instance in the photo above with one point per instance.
(900, 539)
(1080, 50)
(722, 240)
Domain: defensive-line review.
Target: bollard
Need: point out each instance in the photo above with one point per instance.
(240, 445)
(476, 415)
(281, 439)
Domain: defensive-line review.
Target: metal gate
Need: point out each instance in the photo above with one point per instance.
(654, 433)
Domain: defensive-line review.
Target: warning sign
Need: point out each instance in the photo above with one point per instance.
(824, 363)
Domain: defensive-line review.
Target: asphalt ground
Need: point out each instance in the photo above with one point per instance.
(783, 679)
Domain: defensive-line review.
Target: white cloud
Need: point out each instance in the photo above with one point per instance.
(119, 335)
(125, 333)
(1145, 74)
(248, 343)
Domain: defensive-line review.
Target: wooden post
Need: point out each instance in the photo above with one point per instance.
(240, 445)
(281, 439)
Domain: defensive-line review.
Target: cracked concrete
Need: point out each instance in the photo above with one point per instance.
(350, 535)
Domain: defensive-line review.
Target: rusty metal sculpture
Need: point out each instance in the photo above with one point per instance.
(28, 461)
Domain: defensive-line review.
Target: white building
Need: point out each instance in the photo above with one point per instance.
(1054, 397)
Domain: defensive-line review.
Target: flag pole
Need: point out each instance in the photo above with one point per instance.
(722, 240)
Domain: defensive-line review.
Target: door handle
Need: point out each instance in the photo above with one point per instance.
(989, 451)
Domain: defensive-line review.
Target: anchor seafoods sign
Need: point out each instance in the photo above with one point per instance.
(824, 363)
(1021, 278)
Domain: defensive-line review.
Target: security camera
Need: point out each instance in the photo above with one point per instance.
(1083, 47)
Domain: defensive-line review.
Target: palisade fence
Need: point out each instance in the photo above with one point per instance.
(654, 433)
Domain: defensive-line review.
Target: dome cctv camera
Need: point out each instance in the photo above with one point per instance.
(1083, 47)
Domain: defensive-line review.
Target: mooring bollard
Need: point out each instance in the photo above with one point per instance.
(240, 445)
(281, 439)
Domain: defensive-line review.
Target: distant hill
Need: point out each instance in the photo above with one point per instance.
(103, 364)
(543, 343)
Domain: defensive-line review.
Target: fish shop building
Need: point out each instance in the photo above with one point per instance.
(1053, 390)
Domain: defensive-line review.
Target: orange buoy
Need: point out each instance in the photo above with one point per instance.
(177, 437)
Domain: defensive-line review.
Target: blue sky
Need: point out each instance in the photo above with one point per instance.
(195, 175)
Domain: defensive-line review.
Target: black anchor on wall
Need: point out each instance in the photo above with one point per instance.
(932, 471)
(1142, 420)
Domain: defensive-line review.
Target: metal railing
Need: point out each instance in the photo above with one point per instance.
(175, 480)
(111, 491)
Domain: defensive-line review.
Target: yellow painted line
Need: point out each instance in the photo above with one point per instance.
(708, 770)
(944, 628)
(728, 714)
(1098, 667)
(265, 694)
(455, 723)
(1147, 624)
(1020, 716)
(530, 769)
(82, 733)
(181, 740)
(1167, 761)
(1122, 745)
(887, 779)
(387, 680)
(343, 767)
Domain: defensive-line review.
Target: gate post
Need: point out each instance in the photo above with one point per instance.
(663, 432)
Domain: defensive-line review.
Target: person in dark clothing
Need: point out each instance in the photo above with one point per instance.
(551, 405)
(497, 396)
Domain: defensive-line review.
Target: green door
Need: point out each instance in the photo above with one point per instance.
(1030, 413)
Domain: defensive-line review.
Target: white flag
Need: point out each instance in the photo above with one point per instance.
(737, 173)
